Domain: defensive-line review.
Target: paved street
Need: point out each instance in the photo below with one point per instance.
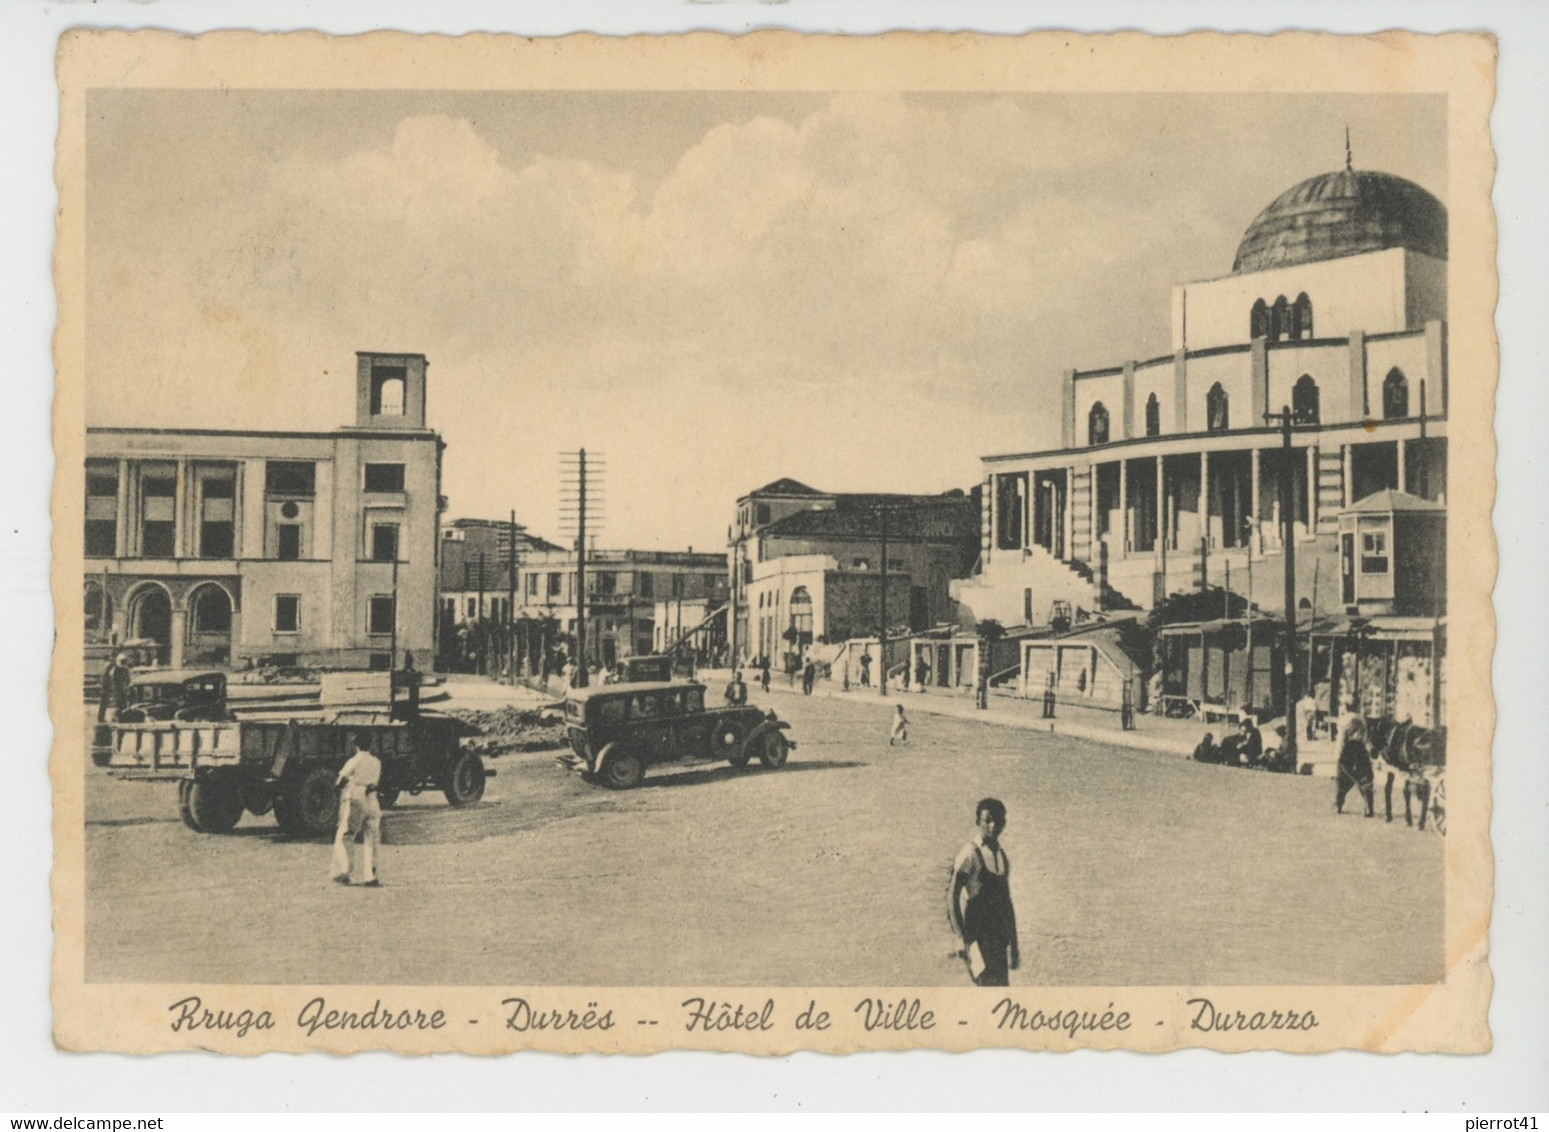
(1129, 867)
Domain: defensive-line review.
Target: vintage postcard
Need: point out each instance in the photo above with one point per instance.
(773, 543)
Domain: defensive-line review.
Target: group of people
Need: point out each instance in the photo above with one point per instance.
(1244, 747)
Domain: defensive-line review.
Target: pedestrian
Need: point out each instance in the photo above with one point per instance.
(1250, 742)
(865, 670)
(809, 675)
(1207, 751)
(1355, 765)
(360, 816)
(113, 697)
(979, 901)
(900, 726)
(763, 676)
(921, 674)
(736, 691)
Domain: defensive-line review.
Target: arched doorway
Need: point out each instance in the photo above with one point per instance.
(209, 627)
(800, 632)
(150, 618)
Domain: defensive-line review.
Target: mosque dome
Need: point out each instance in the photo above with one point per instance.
(1345, 213)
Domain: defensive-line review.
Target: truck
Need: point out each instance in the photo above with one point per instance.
(225, 768)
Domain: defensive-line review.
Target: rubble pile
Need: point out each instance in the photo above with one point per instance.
(510, 730)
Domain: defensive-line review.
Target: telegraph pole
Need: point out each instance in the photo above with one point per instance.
(511, 603)
(882, 632)
(576, 497)
(1288, 539)
(580, 577)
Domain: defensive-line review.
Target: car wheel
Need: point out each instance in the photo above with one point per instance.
(184, 788)
(465, 780)
(624, 771)
(773, 749)
(214, 803)
(388, 798)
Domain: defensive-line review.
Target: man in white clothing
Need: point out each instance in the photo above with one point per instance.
(360, 815)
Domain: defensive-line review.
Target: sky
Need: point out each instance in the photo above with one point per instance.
(862, 291)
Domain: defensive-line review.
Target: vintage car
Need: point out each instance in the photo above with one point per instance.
(617, 730)
(184, 694)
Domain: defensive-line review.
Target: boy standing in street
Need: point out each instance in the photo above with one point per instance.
(979, 901)
(900, 727)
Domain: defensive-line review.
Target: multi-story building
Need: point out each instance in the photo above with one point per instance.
(1168, 476)
(808, 564)
(476, 587)
(625, 589)
(228, 547)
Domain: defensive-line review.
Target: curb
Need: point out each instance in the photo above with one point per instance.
(1132, 739)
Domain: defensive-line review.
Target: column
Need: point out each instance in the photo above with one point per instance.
(121, 530)
(1091, 507)
(1254, 535)
(1402, 444)
(1204, 497)
(180, 507)
(1346, 488)
(179, 631)
(994, 502)
(1124, 533)
(1027, 511)
(1312, 489)
(1161, 507)
(1067, 516)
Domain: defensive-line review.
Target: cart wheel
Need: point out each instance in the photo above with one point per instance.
(624, 771)
(772, 750)
(465, 781)
(184, 787)
(214, 803)
(388, 798)
(307, 806)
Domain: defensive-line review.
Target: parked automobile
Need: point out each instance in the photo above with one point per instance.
(617, 730)
(183, 694)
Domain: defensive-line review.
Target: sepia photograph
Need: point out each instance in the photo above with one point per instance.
(777, 557)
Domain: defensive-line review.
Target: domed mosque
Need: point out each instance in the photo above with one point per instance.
(1167, 483)
(1341, 214)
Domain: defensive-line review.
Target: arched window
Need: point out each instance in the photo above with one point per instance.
(1304, 400)
(1258, 321)
(1395, 395)
(1153, 416)
(801, 615)
(1280, 320)
(1301, 317)
(212, 611)
(387, 388)
(1097, 425)
(1216, 416)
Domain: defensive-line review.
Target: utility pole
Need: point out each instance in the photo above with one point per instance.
(511, 603)
(576, 496)
(481, 663)
(1288, 538)
(580, 578)
(392, 649)
(882, 633)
